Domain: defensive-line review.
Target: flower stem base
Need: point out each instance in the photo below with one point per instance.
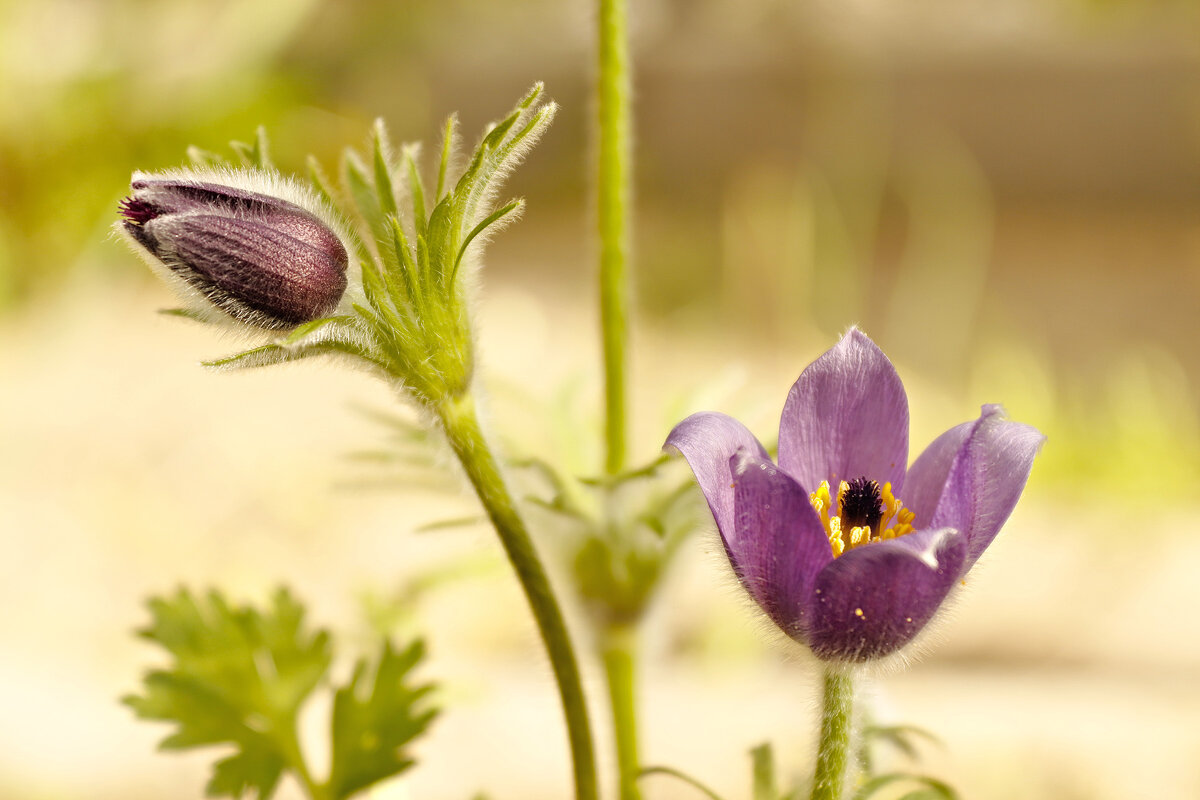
(833, 752)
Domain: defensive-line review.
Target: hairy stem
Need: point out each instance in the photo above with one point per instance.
(461, 423)
(618, 647)
(613, 182)
(833, 752)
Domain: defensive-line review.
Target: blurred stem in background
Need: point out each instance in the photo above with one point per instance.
(617, 642)
(619, 649)
(613, 182)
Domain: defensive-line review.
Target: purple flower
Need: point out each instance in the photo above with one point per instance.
(257, 257)
(822, 541)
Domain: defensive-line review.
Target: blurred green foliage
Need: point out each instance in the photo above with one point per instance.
(783, 195)
(90, 91)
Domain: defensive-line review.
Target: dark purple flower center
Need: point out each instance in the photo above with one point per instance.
(862, 505)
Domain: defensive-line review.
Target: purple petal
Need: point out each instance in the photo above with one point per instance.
(779, 545)
(926, 479)
(846, 417)
(266, 268)
(176, 195)
(261, 259)
(874, 599)
(708, 440)
(986, 479)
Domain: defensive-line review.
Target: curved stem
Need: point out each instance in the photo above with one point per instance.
(833, 752)
(461, 424)
(683, 776)
(291, 747)
(618, 647)
(613, 182)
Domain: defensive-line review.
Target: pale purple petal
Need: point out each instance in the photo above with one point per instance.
(986, 479)
(926, 478)
(708, 440)
(846, 417)
(779, 544)
(872, 600)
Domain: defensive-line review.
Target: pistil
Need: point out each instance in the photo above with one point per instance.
(860, 504)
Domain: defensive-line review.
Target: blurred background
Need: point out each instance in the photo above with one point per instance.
(1005, 196)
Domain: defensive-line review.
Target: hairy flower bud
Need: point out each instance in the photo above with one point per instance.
(259, 258)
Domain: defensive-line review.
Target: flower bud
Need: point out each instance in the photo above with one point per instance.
(261, 259)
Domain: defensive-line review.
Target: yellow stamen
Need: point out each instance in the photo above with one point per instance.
(896, 520)
(821, 502)
(834, 528)
(890, 504)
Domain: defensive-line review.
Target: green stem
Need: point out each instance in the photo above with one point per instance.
(833, 752)
(618, 647)
(613, 182)
(461, 424)
(292, 752)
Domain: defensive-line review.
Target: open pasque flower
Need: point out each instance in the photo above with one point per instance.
(822, 541)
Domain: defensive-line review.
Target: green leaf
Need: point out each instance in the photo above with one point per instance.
(373, 285)
(648, 470)
(408, 267)
(306, 329)
(373, 721)
(491, 219)
(256, 155)
(898, 736)
(380, 156)
(271, 354)
(204, 158)
(937, 789)
(415, 188)
(562, 499)
(924, 794)
(668, 515)
(238, 676)
(682, 776)
(362, 192)
(448, 145)
(320, 181)
(184, 313)
(456, 522)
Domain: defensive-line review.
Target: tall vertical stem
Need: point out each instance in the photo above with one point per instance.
(833, 751)
(613, 195)
(461, 424)
(618, 647)
(613, 181)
